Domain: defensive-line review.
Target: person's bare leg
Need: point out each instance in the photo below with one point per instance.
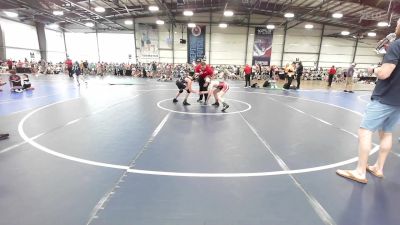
(364, 147)
(384, 150)
(220, 95)
(215, 93)
(187, 95)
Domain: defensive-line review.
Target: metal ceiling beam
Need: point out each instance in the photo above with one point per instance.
(309, 12)
(131, 3)
(371, 3)
(43, 12)
(112, 8)
(89, 11)
(299, 5)
(126, 8)
(81, 15)
(168, 11)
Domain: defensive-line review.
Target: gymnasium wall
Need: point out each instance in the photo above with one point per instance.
(233, 45)
(20, 40)
(55, 46)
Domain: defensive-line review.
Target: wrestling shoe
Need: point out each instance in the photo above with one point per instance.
(4, 136)
(216, 104)
(225, 106)
(185, 103)
(175, 100)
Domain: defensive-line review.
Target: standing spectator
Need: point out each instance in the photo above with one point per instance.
(381, 115)
(69, 65)
(331, 73)
(299, 72)
(10, 64)
(290, 73)
(253, 71)
(43, 67)
(247, 74)
(349, 79)
(85, 68)
(154, 69)
(99, 70)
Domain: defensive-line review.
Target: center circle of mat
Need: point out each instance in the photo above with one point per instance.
(162, 105)
(45, 149)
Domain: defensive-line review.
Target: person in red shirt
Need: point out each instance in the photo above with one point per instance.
(331, 73)
(68, 63)
(197, 68)
(205, 71)
(247, 74)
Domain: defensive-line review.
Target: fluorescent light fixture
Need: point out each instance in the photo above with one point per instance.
(188, 13)
(54, 26)
(371, 34)
(153, 8)
(58, 13)
(289, 15)
(337, 15)
(383, 24)
(228, 13)
(223, 25)
(345, 32)
(128, 22)
(191, 25)
(270, 26)
(160, 22)
(89, 24)
(11, 14)
(99, 9)
(309, 26)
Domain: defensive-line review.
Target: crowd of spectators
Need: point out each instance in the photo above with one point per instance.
(168, 71)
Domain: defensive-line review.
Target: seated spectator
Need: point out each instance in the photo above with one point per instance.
(15, 82)
(26, 84)
(1, 84)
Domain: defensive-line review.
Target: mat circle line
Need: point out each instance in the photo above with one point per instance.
(208, 114)
(182, 174)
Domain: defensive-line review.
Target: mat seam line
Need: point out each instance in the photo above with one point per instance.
(107, 197)
(316, 206)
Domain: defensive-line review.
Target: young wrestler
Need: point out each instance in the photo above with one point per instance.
(184, 84)
(218, 89)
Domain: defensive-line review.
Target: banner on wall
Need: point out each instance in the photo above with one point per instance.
(197, 43)
(148, 43)
(262, 48)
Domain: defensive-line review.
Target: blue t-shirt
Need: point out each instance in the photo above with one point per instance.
(388, 91)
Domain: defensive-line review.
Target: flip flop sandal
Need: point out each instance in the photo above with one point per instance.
(349, 175)
(373, 172)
